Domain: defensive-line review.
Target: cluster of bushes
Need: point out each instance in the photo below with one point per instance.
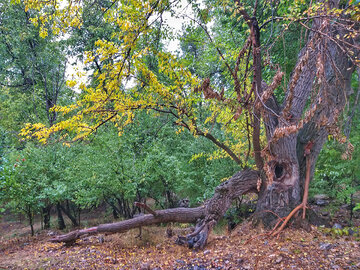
(150, 161)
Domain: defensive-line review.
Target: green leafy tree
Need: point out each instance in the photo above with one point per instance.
(32, 76)
(35, 178)
(337, 173)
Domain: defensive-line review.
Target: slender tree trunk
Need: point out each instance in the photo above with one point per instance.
(169, 197)
(114, 213)
(79, 216)
(46, 216)
(61, 222)
(31, 220)
(41, 221)
(126, 211)
(121, 207)
(69, 215)
(115, 210)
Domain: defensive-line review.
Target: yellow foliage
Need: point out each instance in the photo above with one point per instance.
(123, 56)
(71, 83)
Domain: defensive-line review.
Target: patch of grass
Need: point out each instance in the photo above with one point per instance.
(221, 227)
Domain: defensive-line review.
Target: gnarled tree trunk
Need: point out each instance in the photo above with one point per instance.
(322, 78)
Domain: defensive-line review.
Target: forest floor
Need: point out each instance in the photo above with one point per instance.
(294, 249)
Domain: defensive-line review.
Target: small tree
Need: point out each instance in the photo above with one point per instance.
(20, 193)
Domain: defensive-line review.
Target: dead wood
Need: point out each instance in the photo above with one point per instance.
(206, 215)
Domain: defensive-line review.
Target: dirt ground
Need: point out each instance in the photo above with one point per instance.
(295, 249)
(243, 248)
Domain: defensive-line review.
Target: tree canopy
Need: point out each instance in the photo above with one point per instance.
(133, 71)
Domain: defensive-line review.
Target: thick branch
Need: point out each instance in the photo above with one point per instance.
(182, 215)
(257, 80)
(221, 145)
(255, 35)
(335, 86)
(206, 135)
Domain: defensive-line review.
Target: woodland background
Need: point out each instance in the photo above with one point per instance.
(59, 185)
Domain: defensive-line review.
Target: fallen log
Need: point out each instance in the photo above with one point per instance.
(206, 215)
(181, 215)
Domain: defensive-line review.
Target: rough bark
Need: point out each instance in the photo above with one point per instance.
(206, 216)
(241, 183)
(181, 215)
(321, 78)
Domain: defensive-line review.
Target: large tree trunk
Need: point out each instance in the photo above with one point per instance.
(322, 78)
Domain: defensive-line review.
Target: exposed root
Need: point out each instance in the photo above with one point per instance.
(216, 207)
(198, 238)
(280, 219)
(287, 219)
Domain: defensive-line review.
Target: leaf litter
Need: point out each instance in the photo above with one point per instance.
(294, 249)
